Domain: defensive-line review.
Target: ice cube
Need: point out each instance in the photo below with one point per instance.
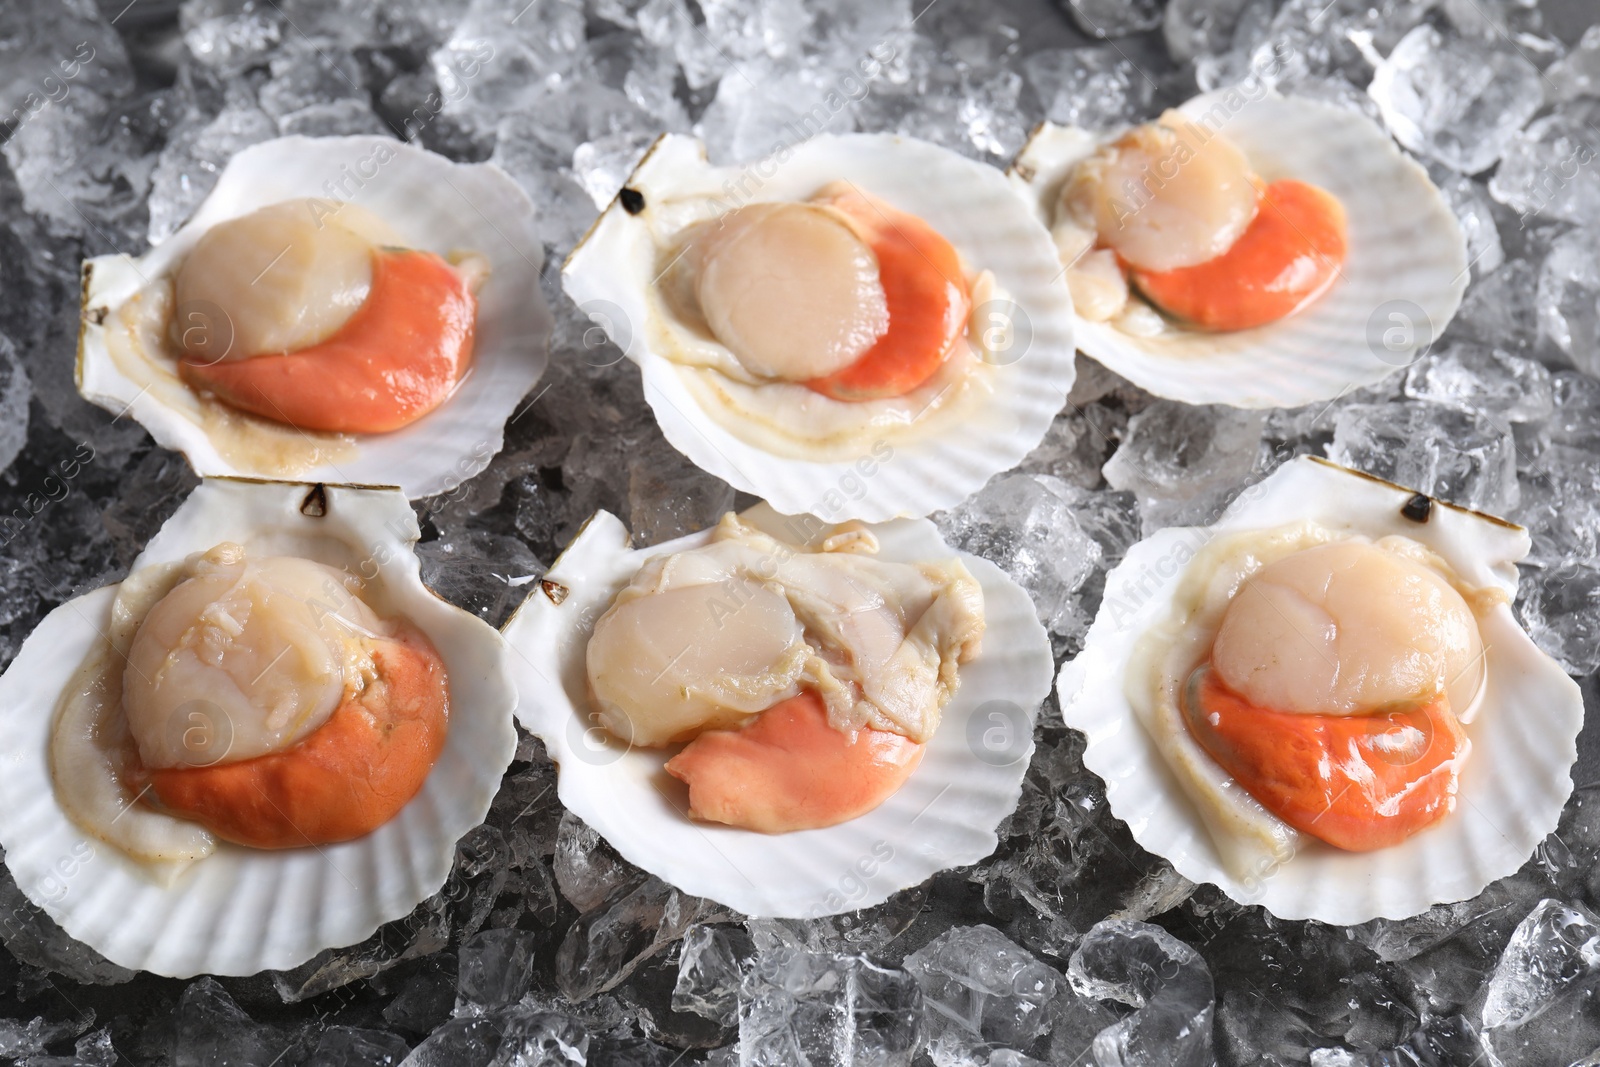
(1569, 298)
(1069, 862)
(425, 1000)
(44, 151)
(85, 163)
(605, 945)
(341, 118)
(349, 23)
(669, 24)
(420, 25)
(1147, 968)
(503, 55)
(1258, 1028)
(743, 28)
(668, 496)
(1157, 893)
(587, 868)
(519, 1036)
(847, 32)
(1111, 517)
(1534, 1002)
(1458, 100)
(1465, 458)
(52, 52)
(1576, 418)
(486, 573)
(149, 492)
(193, 160)
(1335, 89)
(1254, 60)
(232, 42)
(1195, 28)
(1560, 606)
(870, 930)
(1185, 461)
(563, 209)
(1308, 41)
(764, 106)
(621, 13)
(495, 969)
(983, 992)
(1095, 88)
(20, 1041)
(1550, 168)
(306, 76)
(1075, 447)
(1031, 533)
(1501, 308)
(1400, 940)
(97, 1050)
(827, 1009)
(969, 105)
(1345, 27)
(1578, 72)
(644, 73)
(210, 1028)
(1446, 1039)
(1518, 22)
(710, 969)
(1115, 18)
(1484, 380)
(1475, 212)
(15, 391)
(471, 1041)
(346, 1046)
(990, 114)
(1005, 1057)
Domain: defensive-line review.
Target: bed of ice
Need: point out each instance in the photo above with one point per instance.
(1070, 944)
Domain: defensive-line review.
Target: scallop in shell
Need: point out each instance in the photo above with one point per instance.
(1398, 286)
(944, 814)
(205, 905)
(359, 192)
(1515, 712)
(746, 293)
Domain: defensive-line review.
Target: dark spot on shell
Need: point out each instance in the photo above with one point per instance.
(315, 505)
(1418, 508)
(554, 590)
(632, 200)
(97, 316)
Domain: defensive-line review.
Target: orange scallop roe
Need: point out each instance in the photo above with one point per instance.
(398, 357)
(1358, 782)
(1289, 256)
(347, 778)
(788, 769)
(926, 294)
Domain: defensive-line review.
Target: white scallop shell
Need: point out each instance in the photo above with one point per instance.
(970, 204)
(1399, 287)
(1524, 735)
(435, 205)
(944, 816)
(242, 910)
